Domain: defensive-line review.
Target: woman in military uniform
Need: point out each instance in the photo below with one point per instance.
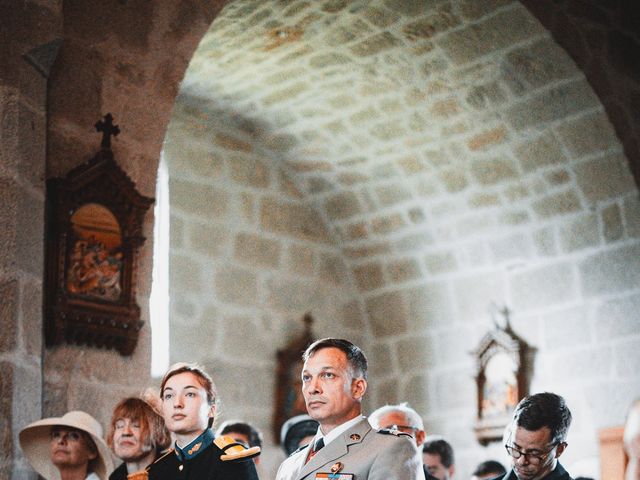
(189, 402)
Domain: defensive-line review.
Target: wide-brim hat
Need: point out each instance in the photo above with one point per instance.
(295, 429)
(35, 441)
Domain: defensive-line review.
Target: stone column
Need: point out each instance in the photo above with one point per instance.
(25, 57)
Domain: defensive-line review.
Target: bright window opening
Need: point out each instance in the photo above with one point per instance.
(159, 301)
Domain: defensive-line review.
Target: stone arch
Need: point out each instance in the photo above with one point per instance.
(603, 41)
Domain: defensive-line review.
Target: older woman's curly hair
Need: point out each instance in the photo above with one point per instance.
(152, 427)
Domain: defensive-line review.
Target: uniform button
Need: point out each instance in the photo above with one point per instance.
(180, 467)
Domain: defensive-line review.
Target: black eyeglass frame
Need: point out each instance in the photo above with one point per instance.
(395, 426)
(538, 456)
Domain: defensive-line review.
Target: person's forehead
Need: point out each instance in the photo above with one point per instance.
(532, 439)
(184, 380)
(64, 428)
(237, 436)
(393, 417)
(128, 418)
(432, 459)
(327, 357)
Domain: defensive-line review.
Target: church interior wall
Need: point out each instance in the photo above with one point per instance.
(514, 186)
(514, 190)
(249, 256)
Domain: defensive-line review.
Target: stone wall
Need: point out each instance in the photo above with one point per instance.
(249, 257)
(27, 48)
(105, 65)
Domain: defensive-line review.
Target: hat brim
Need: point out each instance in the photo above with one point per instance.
(35, 441)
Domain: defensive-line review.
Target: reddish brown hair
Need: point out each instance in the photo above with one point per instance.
(152, 427)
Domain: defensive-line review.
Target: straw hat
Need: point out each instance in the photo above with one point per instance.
(35, 441)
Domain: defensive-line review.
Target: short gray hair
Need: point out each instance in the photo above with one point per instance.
(413, 418)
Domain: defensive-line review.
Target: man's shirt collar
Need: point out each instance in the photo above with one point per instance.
(336, 432)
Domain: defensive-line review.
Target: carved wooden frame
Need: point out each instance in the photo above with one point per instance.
(89, 315)
(490, 427)
(288, 389)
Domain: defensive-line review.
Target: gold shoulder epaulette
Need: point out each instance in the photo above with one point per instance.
(141, 475)
(232, 450)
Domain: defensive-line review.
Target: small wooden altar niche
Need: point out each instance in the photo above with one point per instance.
(94, 231)
(289, 400)
(502, 377)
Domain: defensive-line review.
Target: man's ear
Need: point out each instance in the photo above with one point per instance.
(561, 448)
(212, 411)
(420, 436)
(358, 387)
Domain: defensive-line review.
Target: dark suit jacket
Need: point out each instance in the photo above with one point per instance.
(119, 473)
(558, 473)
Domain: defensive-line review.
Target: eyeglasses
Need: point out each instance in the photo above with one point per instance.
(534, 457)
(402, 428)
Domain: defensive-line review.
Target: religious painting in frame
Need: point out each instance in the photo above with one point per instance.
(288, 394)
(94, 231)
(503, 373)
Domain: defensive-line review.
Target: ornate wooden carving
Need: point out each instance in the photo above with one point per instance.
(289, 400)
(94, 232)
(503, 362)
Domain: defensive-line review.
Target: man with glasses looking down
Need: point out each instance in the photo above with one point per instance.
(536, 438)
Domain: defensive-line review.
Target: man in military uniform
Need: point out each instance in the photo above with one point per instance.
(345, 446)
(537, 437)
(188, 407)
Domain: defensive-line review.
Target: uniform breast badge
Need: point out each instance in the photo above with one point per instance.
(335, 476)
(335, 473)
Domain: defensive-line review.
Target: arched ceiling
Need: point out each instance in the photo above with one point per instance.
(411, 124)
(346, 95)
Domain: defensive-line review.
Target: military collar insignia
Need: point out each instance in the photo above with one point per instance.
(196, 446)
(354, 437)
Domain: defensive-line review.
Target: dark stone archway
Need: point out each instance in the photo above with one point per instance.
(603, 38)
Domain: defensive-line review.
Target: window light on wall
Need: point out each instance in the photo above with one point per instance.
(159, 300)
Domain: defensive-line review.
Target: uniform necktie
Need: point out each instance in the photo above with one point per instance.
(316, 448)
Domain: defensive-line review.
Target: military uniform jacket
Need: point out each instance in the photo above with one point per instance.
(204, 464)
(558, 473)
(360, 451)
